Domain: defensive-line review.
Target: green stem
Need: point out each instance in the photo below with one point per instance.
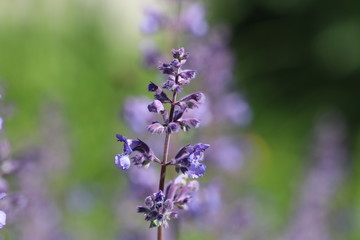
(165, 159)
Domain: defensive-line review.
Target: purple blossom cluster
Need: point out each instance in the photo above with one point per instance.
(159, 207)
(223, 112)
(314, 207)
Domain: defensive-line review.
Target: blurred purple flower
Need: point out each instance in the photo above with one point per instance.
(231, 151)
(310, 220)
(193, 19)
(152, 22)
(151, 56)
(235, 109)
(136, 114)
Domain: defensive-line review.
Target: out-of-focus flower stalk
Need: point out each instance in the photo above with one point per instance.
(311, 219)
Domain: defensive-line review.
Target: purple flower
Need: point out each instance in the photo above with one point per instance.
(172, 86)
(234, 108)
(157, 210)
(236, 151)
(156, 128)
(196, 170)
(180, 55)
(2, 219)
(159, 93)
(186, 124)
(167, 68)
(156, 106)
(159, 207)
(173, 127)
(153, 21)
(151, 56)
(192, 100)
(180, 192)
(185, 76)
(122, 161)
(193, 19)
(187, 160)
(175, 63)
(136, 114)
(1, 123)
(143, 158)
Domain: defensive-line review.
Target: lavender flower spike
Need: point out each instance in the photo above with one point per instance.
(159, 207)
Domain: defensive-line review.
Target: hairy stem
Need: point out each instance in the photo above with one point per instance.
(165, 159)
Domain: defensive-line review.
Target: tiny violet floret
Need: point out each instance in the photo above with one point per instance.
(122, 161)
(156, 106)
(143, 157)
(187, 160)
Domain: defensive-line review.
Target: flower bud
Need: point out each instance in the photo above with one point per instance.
(149, 201)
(168, 204)
(156, 128)
(156, 106)
(173, 127)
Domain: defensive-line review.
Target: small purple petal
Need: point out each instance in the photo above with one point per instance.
(193, 100)
(173, 127)
(142, 210)
(179, 53)
(152, 87)
(121, 138)
(186, 76)
(166, 68)
(156, 128)
(159, 196)
(156, 106)
(127, 148)
(175, 63)
(149, 202)
(196, 170)
(122, 161)
(159, 93)
(168, 204)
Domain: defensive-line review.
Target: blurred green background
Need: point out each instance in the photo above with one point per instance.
(296, 59)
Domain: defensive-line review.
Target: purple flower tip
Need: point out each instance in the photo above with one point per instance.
(173, 127)
(152, 87)
(156, 128)
(121, 138)
(122, 161)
